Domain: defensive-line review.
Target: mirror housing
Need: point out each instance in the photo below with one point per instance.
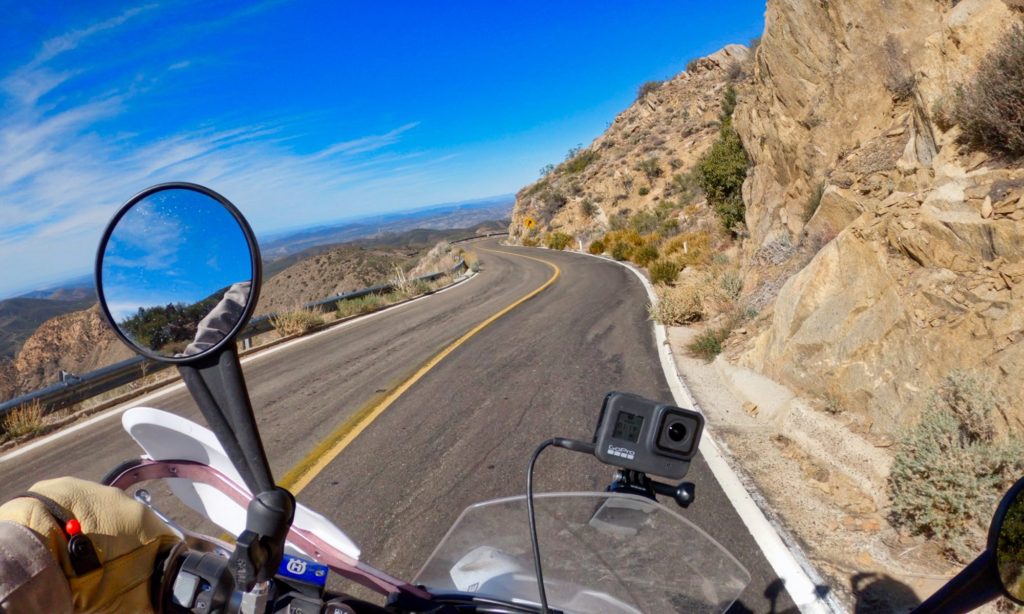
(171, 273)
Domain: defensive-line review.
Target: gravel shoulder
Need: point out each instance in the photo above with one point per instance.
(824, 483)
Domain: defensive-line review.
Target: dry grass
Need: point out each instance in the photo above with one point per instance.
(689, 249)
(362, 304)
(298, 322)
(698, 296)
(23, 420)
(682, 304)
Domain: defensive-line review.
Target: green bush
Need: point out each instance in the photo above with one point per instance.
(686, 186)
(578, 159)
(950, 468)
(645, 254)
(708, 344)
(621, 251)
(990, 109)
(644, 222)
(728, 103)
(597, 247)
(558, 240)
(668, 227)
(588, 208)
(720, 174)
(663, 271)
(650, 169)
(644, 190)
(363, 304)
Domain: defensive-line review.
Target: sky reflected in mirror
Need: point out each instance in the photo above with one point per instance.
(175, 247)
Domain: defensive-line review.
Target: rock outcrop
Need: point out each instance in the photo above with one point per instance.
(879, 254)
(921, 276)
(77, 342)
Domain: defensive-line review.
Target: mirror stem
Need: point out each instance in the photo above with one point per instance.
(976, 585)
(218, 387)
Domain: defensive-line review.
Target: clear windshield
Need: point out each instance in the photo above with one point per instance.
(601, 553)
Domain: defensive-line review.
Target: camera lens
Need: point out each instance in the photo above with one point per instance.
(677, 431)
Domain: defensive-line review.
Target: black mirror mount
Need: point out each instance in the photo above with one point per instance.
(998, 571)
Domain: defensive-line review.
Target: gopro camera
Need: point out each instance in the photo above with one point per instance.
(637, 434)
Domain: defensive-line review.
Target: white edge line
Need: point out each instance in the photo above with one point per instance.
(788, 561)
(118, 410)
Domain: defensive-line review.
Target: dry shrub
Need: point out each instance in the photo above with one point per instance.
(677, 306)
(558, 240)
(899, 79)
(689, 249)
(951, 467)
(23, 420)
(399, 280)
(441, 257)
(990, 109)
(664, 271)
(694, 298)
(645, 254)
(297, 322)
(597, 247)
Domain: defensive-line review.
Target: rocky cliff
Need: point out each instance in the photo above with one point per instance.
(878, 253)
(77, 342)
(923, 254)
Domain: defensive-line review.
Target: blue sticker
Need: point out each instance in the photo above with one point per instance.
(303, 570)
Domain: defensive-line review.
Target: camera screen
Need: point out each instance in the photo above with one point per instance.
(628, 426)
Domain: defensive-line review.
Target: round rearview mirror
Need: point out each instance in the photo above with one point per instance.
(1006, 540)
(178, 272)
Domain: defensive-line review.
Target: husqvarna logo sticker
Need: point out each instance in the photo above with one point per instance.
(621, 452)
(297, 566)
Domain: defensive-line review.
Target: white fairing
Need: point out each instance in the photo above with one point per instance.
(166, 436)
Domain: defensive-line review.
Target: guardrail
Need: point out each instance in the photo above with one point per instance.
(79, 388)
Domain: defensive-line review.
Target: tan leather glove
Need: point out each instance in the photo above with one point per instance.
(126, 537)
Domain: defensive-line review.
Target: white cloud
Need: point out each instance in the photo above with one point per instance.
(61, 180)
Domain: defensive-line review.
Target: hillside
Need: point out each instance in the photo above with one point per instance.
(440, 217)
(80, 341)
(325, 271)
(20, 316)
(842, 211)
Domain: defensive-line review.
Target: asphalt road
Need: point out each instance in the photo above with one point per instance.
(464, 432)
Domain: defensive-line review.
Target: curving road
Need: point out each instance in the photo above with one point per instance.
(462, 433)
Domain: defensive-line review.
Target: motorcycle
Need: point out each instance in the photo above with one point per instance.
(178, 275)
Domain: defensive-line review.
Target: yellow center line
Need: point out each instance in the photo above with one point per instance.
(299, 476)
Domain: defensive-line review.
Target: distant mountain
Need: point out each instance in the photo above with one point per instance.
(83, 287)
(21, 316)
(412, 242)
(456, 215)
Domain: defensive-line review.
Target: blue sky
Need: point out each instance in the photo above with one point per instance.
(309, 111)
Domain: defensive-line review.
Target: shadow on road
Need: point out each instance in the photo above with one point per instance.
(875, 592)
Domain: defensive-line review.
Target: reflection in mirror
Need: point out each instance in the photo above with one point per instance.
(1010, 548)
(176, 273)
